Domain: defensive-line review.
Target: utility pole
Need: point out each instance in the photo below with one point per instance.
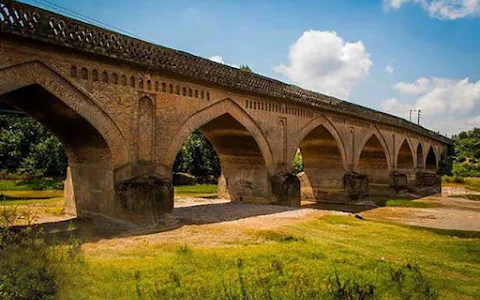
(419, 114)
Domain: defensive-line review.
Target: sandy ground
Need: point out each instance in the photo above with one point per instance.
(447, 213)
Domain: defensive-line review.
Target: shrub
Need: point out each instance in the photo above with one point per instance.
(349, 289)
(466, 169)
(29, 267)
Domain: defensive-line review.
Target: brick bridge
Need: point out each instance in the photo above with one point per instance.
(123, 108)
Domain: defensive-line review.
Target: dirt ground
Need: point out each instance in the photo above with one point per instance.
(215, 222)
(446, 213)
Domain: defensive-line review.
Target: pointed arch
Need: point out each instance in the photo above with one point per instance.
(405, 155)
(374, 132)
(36, 73)
(204, 116)
(431, 161)
(320, 121)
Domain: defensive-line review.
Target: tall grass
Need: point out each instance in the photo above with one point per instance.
(330, 258)
(469, 182)
(29, 267)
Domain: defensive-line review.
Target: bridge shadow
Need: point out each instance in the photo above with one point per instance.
(207, 211)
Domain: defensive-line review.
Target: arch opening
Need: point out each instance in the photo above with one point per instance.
(88, 155)
(242, 168)
(431, 161)
(323, 166)
(373, 162)
(405, 157)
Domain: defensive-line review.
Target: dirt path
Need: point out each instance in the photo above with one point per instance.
(447, 213)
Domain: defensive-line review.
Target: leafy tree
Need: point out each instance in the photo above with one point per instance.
(26, 147)
(246, 68)
(197, 157)
(298, 162)
(467, 153)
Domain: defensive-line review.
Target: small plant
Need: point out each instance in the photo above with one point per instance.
(411, 284)
(183, 250)
(349, 289)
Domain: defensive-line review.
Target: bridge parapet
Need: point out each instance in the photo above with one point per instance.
(22, 20)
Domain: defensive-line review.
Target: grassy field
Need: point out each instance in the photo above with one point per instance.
(472, 183)
(332, 257)
(34, 184)
(407, 203)
(295, 262)
(199, 190)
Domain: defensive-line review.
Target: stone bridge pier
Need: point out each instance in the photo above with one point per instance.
(123, 108)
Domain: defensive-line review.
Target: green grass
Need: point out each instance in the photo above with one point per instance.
(472, 183)
(33, 202)
(34, 184)
(407, 203)
(15, 195)
(199, 190)
(292, 263)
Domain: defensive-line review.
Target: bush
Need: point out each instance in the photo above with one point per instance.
(466, 169)
(184, 179)
(453, 179)
(349, 289)
(29, 267)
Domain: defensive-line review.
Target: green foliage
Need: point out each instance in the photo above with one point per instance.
(26, 147)
(29, 267)
(466, 169)
(298, 162)
(245, 68)
(350, 288)
(198, 157)
(467, 151)
(411, 284)
(31, 184)
(453, 179)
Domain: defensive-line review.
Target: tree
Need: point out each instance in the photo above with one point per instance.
(246, 68)
(197, 157)
(26, 147)
(298, 162)
(467, 153)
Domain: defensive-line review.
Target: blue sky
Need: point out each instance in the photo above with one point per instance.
(339, 47)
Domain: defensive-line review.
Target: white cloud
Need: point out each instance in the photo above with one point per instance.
(420, 86)
(448, 105)
(440, 9)
(217, 58)
(392, 105)
(323, 61)
(389, 68)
